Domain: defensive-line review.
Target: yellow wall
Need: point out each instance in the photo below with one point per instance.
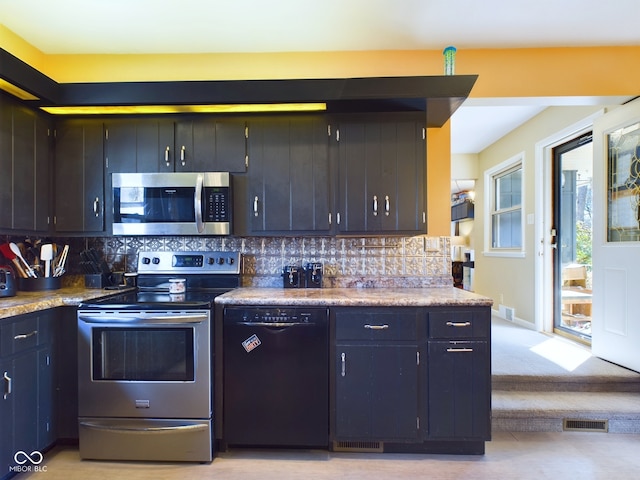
(502, 73)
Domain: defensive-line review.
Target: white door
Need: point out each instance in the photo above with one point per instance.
(616, 236)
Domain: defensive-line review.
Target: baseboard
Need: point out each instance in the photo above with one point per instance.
(516, 320)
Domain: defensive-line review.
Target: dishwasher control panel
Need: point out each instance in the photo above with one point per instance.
(275, 315)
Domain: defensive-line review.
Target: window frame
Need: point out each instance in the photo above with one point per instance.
(490, 176)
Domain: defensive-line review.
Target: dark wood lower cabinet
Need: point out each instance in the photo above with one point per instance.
(28, 387)
(458, 400)
(376, 393)
(411, 379)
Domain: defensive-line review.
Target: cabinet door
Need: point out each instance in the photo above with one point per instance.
(459, 390)
(46, 399)
(24, 169)
(6, 164)
(139, 145)
(6, 415)
(66, 362)
(376, 395)
(26, 136)
(382, 176)
(43, 191)
(79, 176)
(25, 401)
(289, 175)
(230, 145)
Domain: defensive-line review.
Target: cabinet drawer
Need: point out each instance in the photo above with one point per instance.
(16, 336)
(459, 324)
(376, 325)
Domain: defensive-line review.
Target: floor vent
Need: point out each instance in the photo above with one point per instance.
(377, 447)
(579, 425)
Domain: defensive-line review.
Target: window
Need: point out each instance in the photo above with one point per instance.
(504, 223)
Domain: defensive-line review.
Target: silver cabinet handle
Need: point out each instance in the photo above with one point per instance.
(459, 350)
(458, 324)
(22, 336)
(96, 206)
(329, 218)
(255, 206)
(344, 364)
(376, 327)
(387, 205)
(166, 155)
(338, 218)
(375, 205)
(7, 385)
(183, 155)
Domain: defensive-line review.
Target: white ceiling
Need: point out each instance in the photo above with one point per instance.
(193, 26)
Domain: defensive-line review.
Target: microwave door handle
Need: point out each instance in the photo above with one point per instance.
(197, 203)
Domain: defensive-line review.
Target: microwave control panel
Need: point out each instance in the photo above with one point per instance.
(216, 206)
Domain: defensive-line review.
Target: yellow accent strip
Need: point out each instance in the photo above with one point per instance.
(162, 109)
(16, 91)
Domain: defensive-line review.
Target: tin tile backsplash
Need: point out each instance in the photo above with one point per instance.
(348, 262)
(420, 261)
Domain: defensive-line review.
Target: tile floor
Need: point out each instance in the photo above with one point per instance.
(522, 456)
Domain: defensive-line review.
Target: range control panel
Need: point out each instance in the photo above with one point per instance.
(173, 263)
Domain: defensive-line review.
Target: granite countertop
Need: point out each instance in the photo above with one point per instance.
(28, 302)
(348, 297)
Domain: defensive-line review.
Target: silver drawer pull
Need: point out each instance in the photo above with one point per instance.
(458, 324)
(22, 336)
(343, 357)
(459, 350)
(376, 327)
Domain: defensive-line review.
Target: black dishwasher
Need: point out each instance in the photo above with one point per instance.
(276, 376)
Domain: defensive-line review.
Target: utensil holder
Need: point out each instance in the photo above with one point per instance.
(39, 284)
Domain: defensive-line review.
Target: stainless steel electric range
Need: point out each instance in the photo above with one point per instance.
(145, 360)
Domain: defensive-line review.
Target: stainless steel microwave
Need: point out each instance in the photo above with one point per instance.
(180, 203)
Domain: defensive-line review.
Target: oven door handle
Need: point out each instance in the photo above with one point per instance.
(197, 203)
(120, 428)
(157, 319)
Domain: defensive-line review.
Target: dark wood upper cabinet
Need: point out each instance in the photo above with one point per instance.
(79, 176)
(6, 164)
(382, 181)
(150, 144)
(288, 176)
(25, 162)
(210, 144)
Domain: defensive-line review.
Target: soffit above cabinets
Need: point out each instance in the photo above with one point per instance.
(440, 96)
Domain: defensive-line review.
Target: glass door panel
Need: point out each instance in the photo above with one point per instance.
(573, 220)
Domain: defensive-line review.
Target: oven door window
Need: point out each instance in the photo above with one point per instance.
(143, 354)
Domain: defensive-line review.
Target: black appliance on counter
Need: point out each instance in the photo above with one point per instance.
(276, 376)
(146, 360)
(7, 282)
(294, 276)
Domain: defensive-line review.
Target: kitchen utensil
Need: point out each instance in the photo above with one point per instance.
(46, 254)
(27, 268)
(62, 259)
(9, 255)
